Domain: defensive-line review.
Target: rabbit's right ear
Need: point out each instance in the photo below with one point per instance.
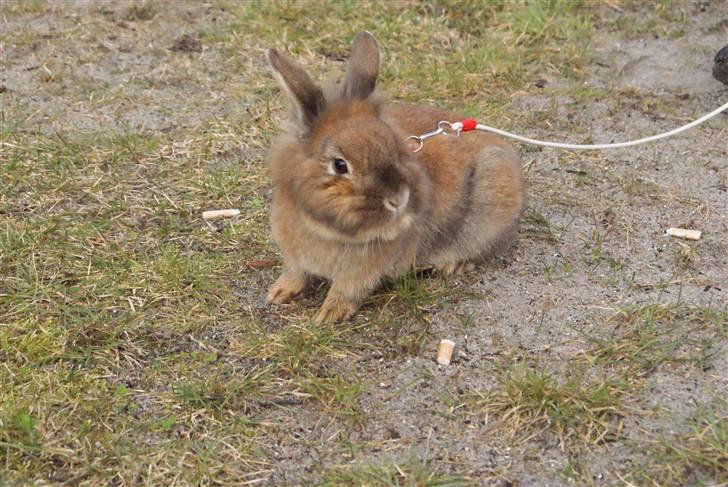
(307, 98)
(363, 69)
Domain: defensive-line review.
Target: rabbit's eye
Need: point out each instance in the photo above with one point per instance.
(339, 166)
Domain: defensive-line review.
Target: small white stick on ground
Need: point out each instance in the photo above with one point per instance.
(684, 233)
(217, 214)
(444, 353)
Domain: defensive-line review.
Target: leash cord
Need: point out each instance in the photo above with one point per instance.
(455, 128)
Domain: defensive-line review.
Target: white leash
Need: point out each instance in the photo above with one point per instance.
(456, 128)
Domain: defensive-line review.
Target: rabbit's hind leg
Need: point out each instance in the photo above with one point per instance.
(456, 267)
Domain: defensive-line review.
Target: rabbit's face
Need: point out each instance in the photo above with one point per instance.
(355, 180)
(358, 181)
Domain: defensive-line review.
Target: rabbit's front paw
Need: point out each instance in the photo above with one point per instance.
(335, 308)
(286, 288)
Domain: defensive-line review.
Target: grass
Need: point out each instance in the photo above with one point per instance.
(529, 400)
(412, 473)
(696, 457)
(584, 406)
(536, 225)
(645, 337)
(135, 348)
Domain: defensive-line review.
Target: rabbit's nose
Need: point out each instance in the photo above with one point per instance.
(397, 204)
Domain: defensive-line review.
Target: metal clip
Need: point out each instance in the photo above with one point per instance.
(420, 139)
(443, 127)
(449, 128)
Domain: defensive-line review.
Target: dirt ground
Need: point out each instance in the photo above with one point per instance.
(592, 295)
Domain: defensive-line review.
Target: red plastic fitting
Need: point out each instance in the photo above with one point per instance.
(469, 124)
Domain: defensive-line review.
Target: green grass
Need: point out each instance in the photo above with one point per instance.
(646, 337)
(536, 225)
(699, 456)
(412, 473)
(528, 401)
(603, 385)
(135, 348)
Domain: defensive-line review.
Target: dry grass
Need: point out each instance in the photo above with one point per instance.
(529, 401)
(683, 459)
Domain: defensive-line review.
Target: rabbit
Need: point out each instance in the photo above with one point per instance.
(354, 204)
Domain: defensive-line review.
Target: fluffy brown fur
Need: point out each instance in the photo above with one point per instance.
(353, 204)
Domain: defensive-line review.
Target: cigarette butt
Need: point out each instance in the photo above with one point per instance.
(444, 352)
(683, 233)
(260, 263)
(217, 214)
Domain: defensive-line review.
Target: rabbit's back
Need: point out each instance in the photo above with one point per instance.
(477, 185)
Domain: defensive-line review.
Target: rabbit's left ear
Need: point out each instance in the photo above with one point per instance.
(305, 96)
(363, 69)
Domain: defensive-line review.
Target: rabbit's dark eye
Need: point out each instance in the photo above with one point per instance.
(339, 166)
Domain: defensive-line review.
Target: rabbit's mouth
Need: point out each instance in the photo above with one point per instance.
(399, 224)
(396, 227)
(392, 228)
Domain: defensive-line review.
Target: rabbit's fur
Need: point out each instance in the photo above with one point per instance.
(353, 203)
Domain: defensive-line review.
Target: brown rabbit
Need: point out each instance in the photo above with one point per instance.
(353, 203)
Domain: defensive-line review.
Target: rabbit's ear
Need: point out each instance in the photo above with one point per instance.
(307, 98)
(361, 74)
